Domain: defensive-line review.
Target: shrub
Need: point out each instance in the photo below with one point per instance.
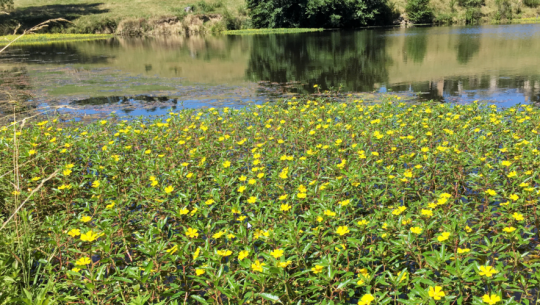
(504, 9)
(419, 11)
(473, 15)
(531, 3)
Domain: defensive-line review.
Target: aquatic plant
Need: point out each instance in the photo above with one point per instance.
(49, 38)
(270, 31)
(299, 201)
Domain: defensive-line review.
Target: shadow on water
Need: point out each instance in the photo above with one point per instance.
(57, 53)
(30, 16)
(126, 100)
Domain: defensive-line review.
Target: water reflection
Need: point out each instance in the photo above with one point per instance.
(356, 60)
(498, 63)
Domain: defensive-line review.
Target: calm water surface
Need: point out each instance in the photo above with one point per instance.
(500, 64)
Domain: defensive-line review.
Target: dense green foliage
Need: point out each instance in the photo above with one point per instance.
(532, 3)
(317, 13)
(419, 11)
(300, 201)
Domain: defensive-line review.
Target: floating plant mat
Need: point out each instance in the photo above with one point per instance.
(310, 200)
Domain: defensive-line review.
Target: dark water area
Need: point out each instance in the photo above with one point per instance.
(495, 63)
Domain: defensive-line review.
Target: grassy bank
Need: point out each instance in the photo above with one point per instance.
(148, 17)
(297, 201)
(110, 16)
(48, 38)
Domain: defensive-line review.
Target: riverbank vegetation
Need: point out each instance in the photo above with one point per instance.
(300, 201)
(187, 17)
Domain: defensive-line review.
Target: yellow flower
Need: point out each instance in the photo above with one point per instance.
(283, 197)
(110, 206)
(196, 253)
(252, 199)
(317, 269)
(284, 264)
(342, 230)
(509, 229)
(301, 195)
(366, 299)
(90, 236)
(241, 189)
(506, 163)
(518, 216)
(436, 292)
(169, 189)
(345, 202)
(362, 222)
(427, 213)
(257, 266)
(399, 210)
(444, 236)
(285, 207)
(329, 213)
(74, 232)
(464, 250)
(224, 252)
(416, 230)
(199, 271)
(513, 197)
(192, 233)
(209, 201)
(66, 172)
(468, 229)
(491, 299)
(86, 218)
(487, 271)
(226, 164)
(76, 269)
(83, 261)
(243, 254)
(31, 152)
(491, 192)
(218, 234)
(96, 184)
(277, 253)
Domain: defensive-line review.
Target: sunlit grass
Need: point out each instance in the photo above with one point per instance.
(50, 38)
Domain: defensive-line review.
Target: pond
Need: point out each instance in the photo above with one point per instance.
(497, 63)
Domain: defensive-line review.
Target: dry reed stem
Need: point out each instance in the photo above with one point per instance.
(34, 29)
(28, 198)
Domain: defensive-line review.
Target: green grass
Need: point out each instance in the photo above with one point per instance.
(309, 200)
(50, 38)
(90, 16)
(269, 31)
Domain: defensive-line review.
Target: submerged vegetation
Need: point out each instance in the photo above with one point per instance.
(298, 201)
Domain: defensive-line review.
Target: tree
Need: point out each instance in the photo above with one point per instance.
(317, 13)
(419, 11)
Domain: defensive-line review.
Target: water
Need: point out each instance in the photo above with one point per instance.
(498, 63)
